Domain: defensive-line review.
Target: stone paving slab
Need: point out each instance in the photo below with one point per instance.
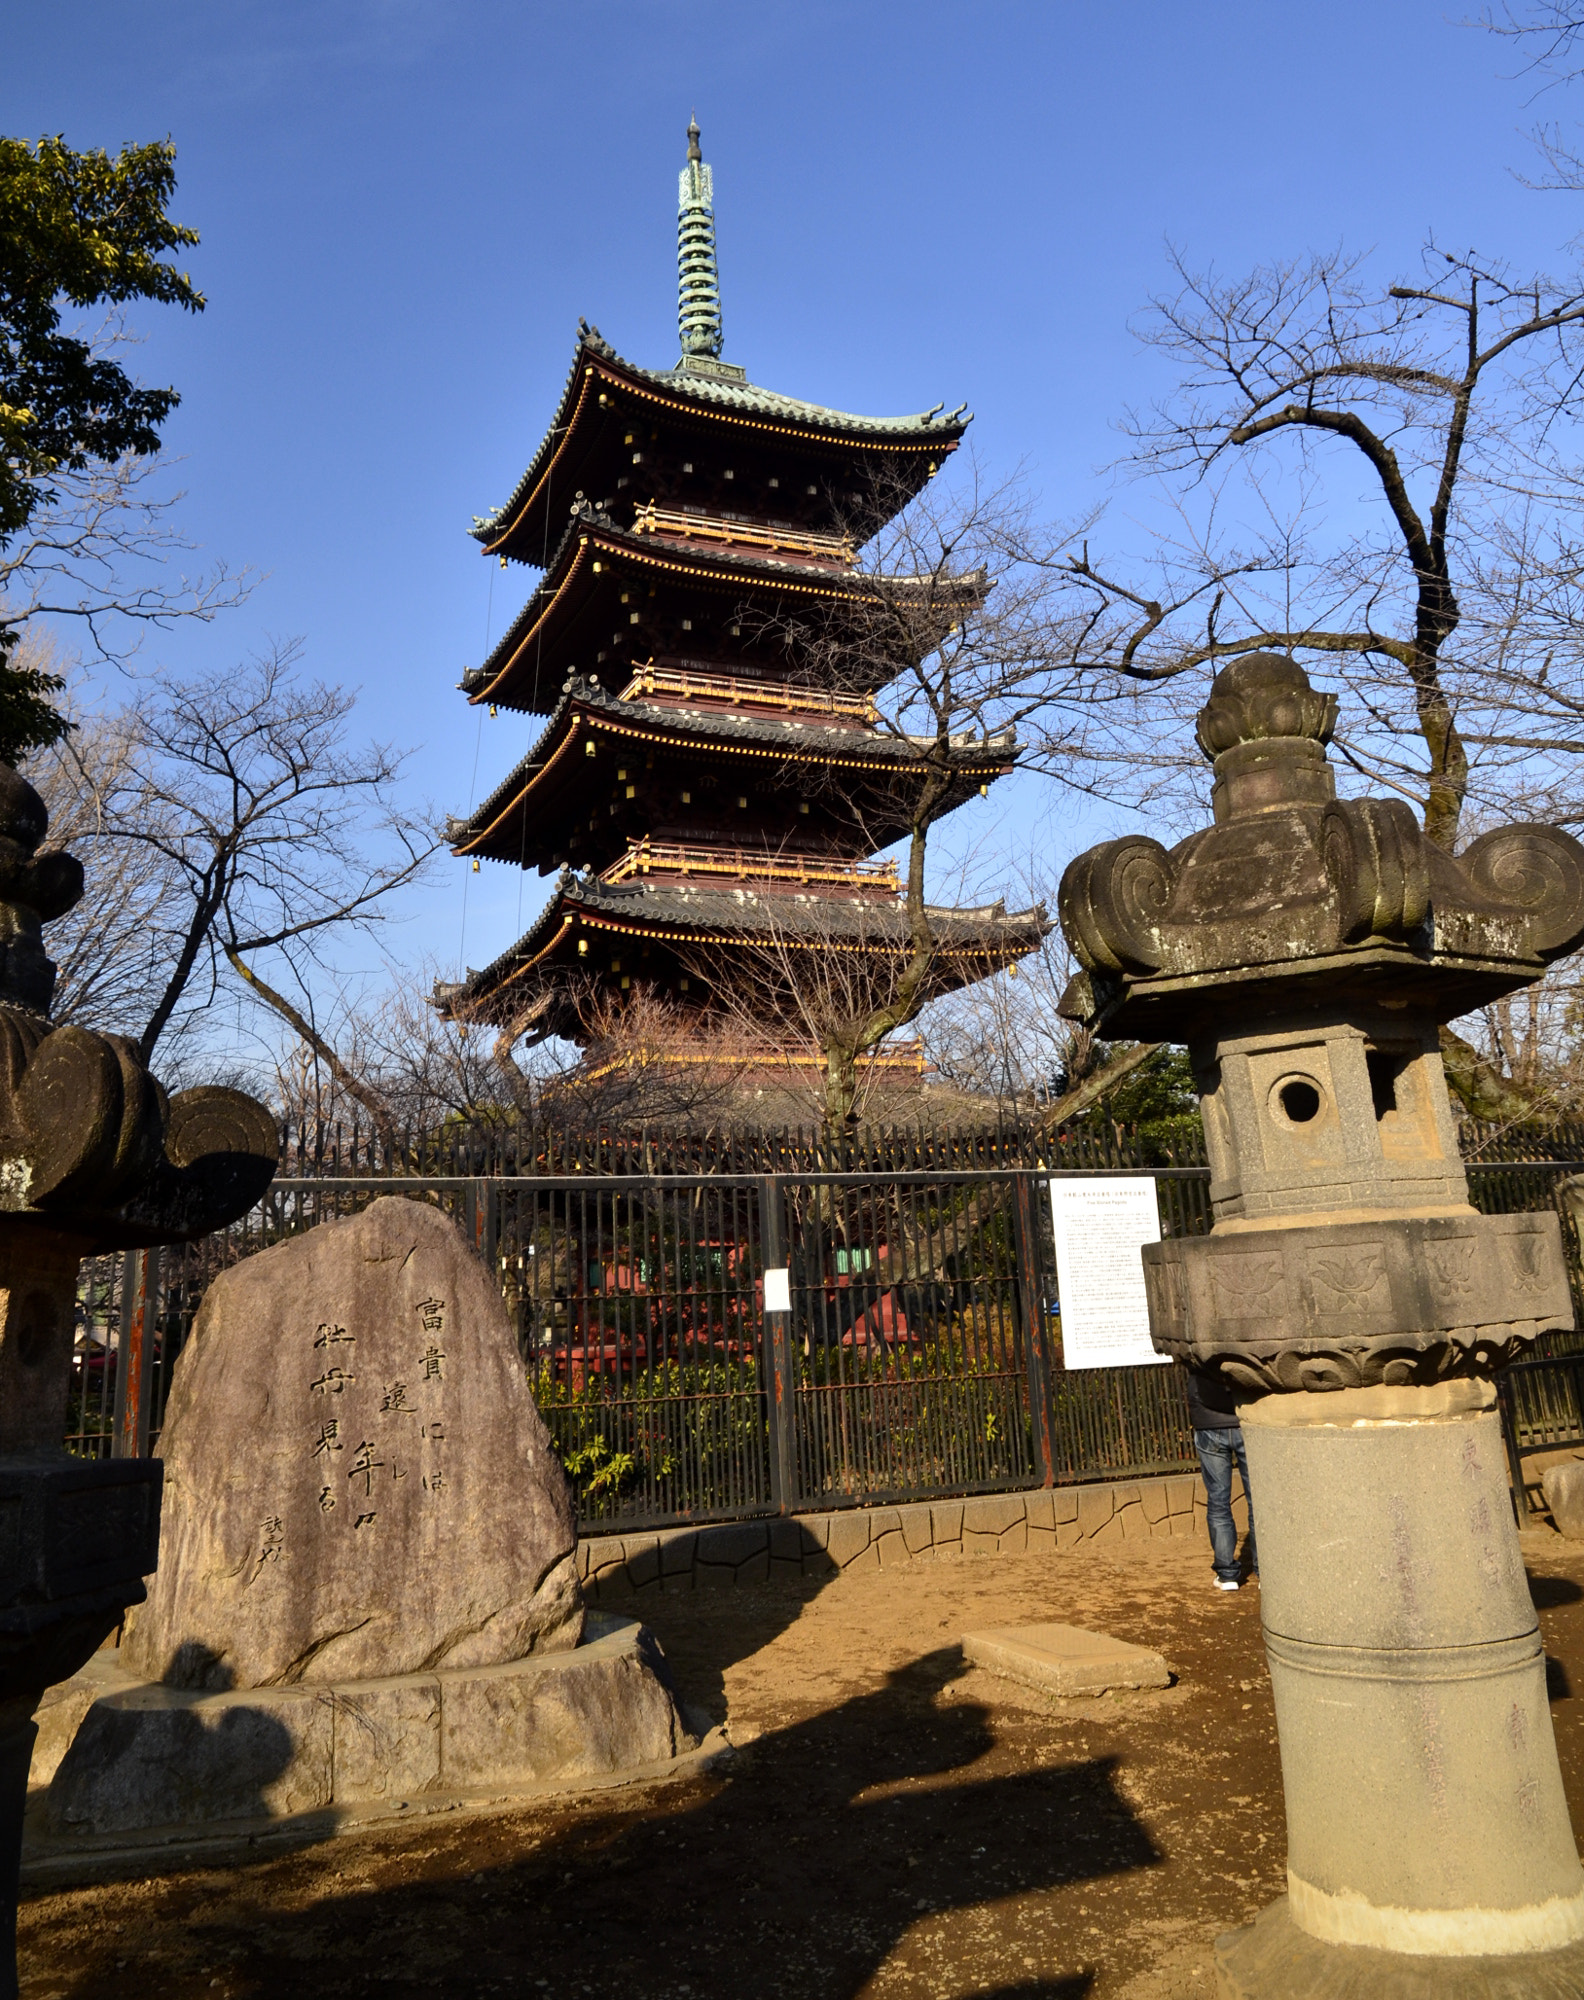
(1065, 1659)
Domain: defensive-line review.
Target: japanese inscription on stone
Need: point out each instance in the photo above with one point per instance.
(395, 1402)
(388, 1445)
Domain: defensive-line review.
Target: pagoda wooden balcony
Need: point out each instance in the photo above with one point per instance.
(676, 862)
(784, 697)
(654, 520)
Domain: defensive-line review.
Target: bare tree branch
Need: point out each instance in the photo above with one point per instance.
(353, 1085)
(1098, 1085)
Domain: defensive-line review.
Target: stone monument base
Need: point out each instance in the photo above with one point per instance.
(1271, 1959)
(137, 1759)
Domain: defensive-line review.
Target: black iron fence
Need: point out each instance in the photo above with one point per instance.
(507, 1148)
(918, 1352)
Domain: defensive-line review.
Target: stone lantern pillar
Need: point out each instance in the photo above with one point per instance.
(1307, 950)
(94, 1156)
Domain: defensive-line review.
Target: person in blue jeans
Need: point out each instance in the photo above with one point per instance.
(1218, 1439)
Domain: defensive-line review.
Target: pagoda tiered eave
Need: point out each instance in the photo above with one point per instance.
(715, 404)
(662, 933)
(773, 768)
(579, 616)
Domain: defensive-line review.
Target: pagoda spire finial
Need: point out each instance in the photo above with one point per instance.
(698, 281)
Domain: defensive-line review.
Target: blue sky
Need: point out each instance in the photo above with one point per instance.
(406, 204)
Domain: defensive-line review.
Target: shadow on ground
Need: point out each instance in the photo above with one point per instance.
(705, 1633)
(1043, 1989)
(795, 1873)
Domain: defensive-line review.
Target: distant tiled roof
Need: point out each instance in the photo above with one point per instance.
(744, 565)
(709, 562)
(828, 744)
(880, 921)
(717, 388)
(688, 914)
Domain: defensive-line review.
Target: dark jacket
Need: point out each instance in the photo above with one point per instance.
(1210, 1404)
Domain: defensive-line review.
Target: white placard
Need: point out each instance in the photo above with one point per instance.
(1100, 1226)
(778, 1290)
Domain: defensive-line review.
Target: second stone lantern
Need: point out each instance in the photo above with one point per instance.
(1307, 949)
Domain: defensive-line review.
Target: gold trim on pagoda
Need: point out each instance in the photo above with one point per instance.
(653, 519)
(672, 860)
(732, 690)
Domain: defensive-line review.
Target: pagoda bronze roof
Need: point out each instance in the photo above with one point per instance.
(971, 942)
(551, 782)
(528, 665)
(710, 396)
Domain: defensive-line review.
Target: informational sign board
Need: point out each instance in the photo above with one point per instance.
(778, 1289)
(1101, 1225)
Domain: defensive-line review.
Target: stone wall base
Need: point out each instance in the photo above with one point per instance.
(1045, 1521)
(124, 1757)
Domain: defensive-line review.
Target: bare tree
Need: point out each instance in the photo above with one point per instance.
(1002, 1037)
(108, 950)
(951, 635)
(249, 794)
(1444, 596)
(1446, 395)
(385, 1057)
(643, 1060)
(104, 554)
(1546, 35)
(810, 1000)
(227, 825)
(1005, 1038)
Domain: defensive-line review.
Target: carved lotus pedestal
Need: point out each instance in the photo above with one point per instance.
(1307, 950)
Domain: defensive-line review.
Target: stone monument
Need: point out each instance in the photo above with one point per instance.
(357, 1482)
(94, 1156)
(369, 1598)
(1307, 950)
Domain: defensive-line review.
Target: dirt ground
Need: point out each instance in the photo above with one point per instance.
(894, 1825)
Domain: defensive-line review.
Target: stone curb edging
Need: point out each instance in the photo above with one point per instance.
(1044, 1521)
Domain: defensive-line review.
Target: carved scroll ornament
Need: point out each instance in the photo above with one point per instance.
(1374, 856)
(1112, 902)
(89, 1140)
(1538, 870)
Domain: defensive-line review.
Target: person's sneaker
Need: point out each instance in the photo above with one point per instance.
(1226, 1583)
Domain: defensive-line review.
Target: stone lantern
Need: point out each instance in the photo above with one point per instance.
(94, 1156)
(1307, 949)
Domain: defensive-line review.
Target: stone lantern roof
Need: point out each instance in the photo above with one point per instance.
(1295, 898)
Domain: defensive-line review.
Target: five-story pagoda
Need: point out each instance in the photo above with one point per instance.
(702, 785)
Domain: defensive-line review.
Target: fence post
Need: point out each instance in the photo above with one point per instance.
(1509, 1424)
(140, 1284)
(778, 1353)
(1031, 1303)
(484, 1218)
